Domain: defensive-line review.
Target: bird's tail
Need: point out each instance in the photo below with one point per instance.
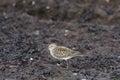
(78, 54)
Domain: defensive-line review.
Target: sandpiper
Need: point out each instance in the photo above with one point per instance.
(62, 53)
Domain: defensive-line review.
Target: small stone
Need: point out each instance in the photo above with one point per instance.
(75, 74)
(119, 57)
(5, 15)
(73, 48)
(33, 2)
(14, 4)
(31, 59)
(37, 32)
(65, 34)
(58, 64)
(66, 31)
(107, 1)
(47, 7)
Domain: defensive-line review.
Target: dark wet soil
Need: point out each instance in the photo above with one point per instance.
(27, 27)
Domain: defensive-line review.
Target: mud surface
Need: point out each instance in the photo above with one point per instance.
(27, 27)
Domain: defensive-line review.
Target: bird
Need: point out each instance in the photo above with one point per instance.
(62, 52)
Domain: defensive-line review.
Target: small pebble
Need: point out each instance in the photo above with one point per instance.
(58, 64)
(47, 7)
(31, 59)
(107, 1)
(33, 2)
(14, 4)
(75, 74)
(5, 15)
(37, 32)
(66, 31)
(65, 34)
(73, 48)
(119, 57)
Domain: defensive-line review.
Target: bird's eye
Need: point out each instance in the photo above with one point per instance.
(51, 46)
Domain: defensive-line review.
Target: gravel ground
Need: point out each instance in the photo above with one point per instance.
(27, 27)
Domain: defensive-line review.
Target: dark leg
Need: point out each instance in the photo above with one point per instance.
(67, 66)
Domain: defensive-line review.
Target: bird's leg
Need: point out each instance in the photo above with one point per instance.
(67, 65)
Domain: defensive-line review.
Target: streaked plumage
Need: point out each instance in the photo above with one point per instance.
(61, 52)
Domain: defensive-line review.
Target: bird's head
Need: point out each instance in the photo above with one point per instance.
(52, 46)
